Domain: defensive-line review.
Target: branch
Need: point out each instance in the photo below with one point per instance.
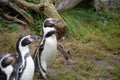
(28, 18)
(63, 51)
(46, 6)
(32, 6)
(49, 10)
(9, 4)
(12, 19)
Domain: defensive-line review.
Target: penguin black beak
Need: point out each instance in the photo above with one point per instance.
(35, 37)
(56, 21)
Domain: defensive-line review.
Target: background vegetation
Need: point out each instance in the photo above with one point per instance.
(94, 41)
(93, 38)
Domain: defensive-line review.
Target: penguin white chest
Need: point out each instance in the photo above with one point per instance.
(29, 70)
(8, 70)
(50, 49)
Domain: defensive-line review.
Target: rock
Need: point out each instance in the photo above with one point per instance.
(62, 5)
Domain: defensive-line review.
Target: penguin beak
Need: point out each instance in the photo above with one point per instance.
(56, 20)
(32, 38)
(35, 37)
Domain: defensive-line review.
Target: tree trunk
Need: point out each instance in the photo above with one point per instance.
(46, 6)
(50, 11)
(62, 5)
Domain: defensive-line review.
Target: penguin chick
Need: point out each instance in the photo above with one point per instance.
(48, 46)
(24, 65)
(6, 67)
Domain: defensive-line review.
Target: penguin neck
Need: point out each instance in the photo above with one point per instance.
(23, 51)
(8, 71)
(47, 29)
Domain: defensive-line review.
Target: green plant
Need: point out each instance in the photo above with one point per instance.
(3, 25)
(39, 19)
(14, 27)
(87, 25)
(116, 73)
(29, 0)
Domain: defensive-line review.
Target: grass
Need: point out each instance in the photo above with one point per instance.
(116, 71)
(88, 26)
(4, 26)
(8, 42)
(91, 37)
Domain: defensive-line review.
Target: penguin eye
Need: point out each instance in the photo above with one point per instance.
(48, 24)
(25, 42)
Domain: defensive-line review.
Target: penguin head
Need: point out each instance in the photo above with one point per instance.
(48, 26)
(6, 60)
(50, 22)
(25, 40)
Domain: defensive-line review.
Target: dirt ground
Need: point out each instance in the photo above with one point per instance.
(87, 61)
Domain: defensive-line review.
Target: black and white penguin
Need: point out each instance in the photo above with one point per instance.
(24, 65)
(48, 47)
(6, 66)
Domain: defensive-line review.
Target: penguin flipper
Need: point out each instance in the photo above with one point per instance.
(18, 62)
(2, 75)
(36, 53)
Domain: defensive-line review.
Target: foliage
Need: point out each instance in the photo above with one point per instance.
(116, 71)
(33, 1)
(39, 18)
(87, 25)
(3, 25)
(91, 36)
(13, 27)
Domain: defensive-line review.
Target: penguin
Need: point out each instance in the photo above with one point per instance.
(46, 52)
(6, 66)
(24, 65)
